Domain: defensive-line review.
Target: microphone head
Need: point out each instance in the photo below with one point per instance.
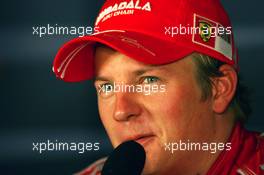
(127, 159)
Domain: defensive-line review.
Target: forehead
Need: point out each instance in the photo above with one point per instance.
(106, 57)
(108, 60)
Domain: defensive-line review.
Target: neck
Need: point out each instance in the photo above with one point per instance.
(224, 125)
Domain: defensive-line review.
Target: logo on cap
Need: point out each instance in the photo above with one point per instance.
(205, 31)
(210, 35)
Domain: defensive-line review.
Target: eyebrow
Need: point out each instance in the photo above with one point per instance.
(143, 71)
(138, 72)
(100, 78)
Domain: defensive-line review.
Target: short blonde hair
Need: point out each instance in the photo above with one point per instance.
(207, 68)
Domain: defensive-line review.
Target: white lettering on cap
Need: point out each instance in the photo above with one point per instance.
(123, 8)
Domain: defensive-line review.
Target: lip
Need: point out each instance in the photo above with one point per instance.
(145, 140)
(142, 139)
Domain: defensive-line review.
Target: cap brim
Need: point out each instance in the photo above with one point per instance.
(75, 60)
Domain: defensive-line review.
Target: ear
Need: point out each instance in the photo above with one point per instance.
(224, 88)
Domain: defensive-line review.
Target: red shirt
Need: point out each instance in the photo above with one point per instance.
(246, 156)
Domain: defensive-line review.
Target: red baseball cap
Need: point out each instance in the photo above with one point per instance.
(153, 32)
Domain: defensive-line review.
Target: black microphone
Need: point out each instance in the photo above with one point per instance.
(127, 159)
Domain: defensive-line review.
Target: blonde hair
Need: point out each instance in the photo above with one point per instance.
(207, 68)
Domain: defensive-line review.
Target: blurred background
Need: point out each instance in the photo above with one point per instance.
(35, 106)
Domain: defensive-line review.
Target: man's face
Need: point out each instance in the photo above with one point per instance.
(159, 118)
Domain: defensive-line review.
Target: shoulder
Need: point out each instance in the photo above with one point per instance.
(253, 161)
(255, 144)
(93, 169)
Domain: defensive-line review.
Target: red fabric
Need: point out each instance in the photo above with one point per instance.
(138, 29)
(245, 157)
(93, 169)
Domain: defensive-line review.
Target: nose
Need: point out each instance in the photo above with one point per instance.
(126, 106)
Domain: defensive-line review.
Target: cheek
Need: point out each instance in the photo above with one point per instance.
(184, 114)
(173, 110)
(174, 101)
(102, 112)
(105, 113)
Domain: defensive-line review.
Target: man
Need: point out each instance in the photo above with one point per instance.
(191, 122)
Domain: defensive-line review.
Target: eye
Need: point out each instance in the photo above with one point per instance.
(150, 79)
(105, 89)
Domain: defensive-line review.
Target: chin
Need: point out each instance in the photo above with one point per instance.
(148, 170)
(153, 160)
